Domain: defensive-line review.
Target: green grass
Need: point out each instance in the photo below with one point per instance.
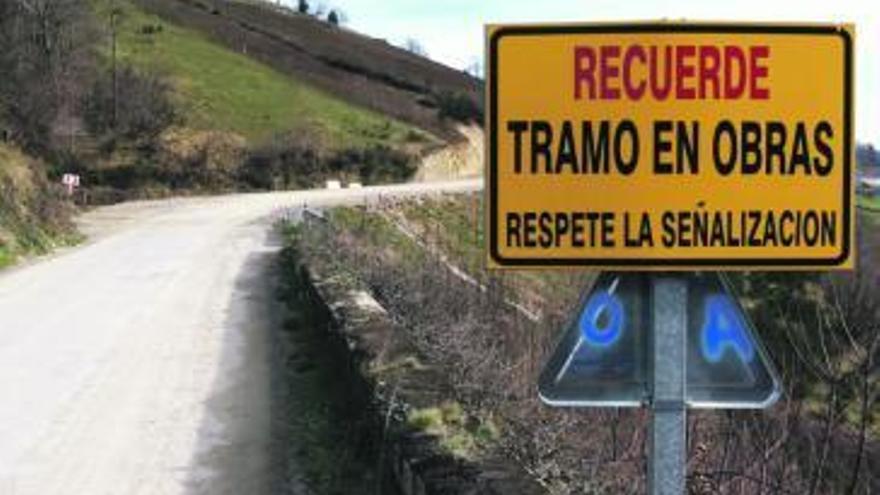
(31, 217)
(455, 224)
(458, 221)
(870, 202)
(461, 435)
(224, 90)
(327, 429)
(28, 237)
(377, 232)
(6, 257)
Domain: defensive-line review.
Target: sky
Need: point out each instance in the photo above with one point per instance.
(451, 31)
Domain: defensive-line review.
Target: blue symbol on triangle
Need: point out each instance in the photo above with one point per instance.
(602, 333)
(603, 358)
(724, 329)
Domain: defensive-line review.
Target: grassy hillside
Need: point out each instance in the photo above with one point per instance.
(34, 218)
(193, 96)
(220, 89)
(358, 69)
(869, 202)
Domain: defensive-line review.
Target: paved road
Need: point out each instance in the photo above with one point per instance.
(139, 363)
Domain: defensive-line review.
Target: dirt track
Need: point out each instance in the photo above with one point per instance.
(139, 363)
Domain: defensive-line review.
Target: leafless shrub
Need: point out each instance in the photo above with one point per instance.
(129, 105)
(45, 53)
(818, 440)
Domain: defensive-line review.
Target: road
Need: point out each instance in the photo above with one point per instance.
(140, 362)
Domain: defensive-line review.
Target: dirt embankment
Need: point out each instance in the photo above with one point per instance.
(457, 161)
(34, 214)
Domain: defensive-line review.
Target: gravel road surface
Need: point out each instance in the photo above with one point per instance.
(140, 362)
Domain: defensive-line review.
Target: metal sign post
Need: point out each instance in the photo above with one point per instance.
(590, 165)
(71, 182)
(665, 341)
(667, 459)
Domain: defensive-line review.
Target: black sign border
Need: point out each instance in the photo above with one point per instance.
(666, 28)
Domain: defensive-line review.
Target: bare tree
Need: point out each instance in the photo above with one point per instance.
(44, 52)
(475, 69)
(132, 106)
(412, 45)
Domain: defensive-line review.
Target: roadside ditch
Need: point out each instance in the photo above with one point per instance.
(366, 413)
(328, 430)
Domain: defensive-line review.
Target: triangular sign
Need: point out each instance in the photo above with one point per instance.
(603, 358)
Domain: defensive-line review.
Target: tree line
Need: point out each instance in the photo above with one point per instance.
(333, 15)
(69, 98)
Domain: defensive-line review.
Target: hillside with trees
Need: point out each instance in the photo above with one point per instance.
(146, 98)
(151, 97)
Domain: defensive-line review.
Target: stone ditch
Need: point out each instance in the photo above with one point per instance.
(399, 381)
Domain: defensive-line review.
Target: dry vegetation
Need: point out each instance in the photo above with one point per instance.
(34, 216)
(822, 438)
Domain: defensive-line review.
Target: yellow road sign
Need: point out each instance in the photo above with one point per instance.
(670, 146)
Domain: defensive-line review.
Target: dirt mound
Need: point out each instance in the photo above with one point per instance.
(458, 161)
(34, 215)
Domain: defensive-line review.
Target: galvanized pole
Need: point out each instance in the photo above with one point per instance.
(667, 457)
